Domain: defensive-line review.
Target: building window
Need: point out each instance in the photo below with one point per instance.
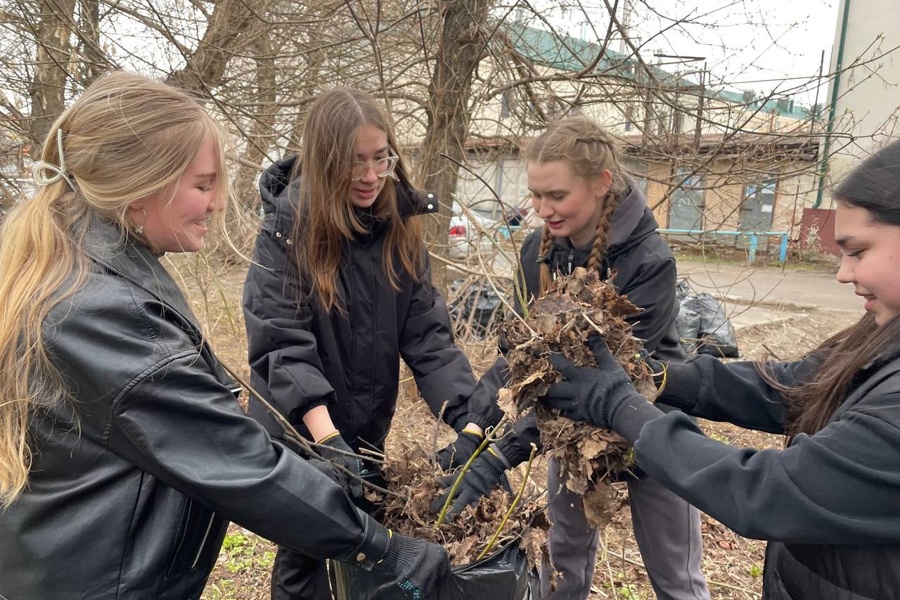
(505, 104)
(677, 122)
(687, 205)
(758, 205)
(638, 171)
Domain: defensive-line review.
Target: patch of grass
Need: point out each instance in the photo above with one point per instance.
(240, 552)
(629, 592)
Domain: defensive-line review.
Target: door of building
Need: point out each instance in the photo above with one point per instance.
(686, 206)
(758, 206)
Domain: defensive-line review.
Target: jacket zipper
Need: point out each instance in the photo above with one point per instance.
(209, 525)
(375, 291)
(571, 260)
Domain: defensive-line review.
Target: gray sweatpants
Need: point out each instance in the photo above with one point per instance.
(667, 530)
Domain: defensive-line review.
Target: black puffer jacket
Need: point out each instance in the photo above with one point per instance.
(646, 274)
(301, 357)
(829, 503)
(135, 478)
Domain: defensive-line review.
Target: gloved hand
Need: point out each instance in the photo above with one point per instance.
(418, 566)
(325, 467)
(333, 448)
(591, 394)
(483, 476)
(457, 453)
(657, 368)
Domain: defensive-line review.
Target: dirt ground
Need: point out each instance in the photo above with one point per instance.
(732, 565)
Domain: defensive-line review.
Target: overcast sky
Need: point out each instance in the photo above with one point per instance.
(759, 45)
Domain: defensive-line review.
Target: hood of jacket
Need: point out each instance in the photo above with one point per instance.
(279, 193)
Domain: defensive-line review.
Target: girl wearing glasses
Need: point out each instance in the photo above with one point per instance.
(338, 293)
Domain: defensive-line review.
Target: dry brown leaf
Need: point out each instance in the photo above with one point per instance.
(561, 321)
(414, 476)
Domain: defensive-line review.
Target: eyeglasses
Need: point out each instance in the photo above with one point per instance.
(383, 167)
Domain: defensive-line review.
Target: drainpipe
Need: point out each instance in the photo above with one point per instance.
(832, 108)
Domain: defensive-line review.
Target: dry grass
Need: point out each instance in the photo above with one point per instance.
(732, 565)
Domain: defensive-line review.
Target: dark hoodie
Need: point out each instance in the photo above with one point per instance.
(645, 273)
(349, 360)
(829, 503)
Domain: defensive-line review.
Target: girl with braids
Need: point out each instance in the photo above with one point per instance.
(123, 450)
(595, 217)
(829, 502)
(339, 292)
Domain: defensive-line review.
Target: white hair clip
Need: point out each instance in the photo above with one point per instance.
(40, 171)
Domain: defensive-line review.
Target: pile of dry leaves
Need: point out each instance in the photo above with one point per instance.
(412, 472)
(561, 321)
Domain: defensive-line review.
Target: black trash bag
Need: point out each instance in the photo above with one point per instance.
(687, 324)
(504, 575)
(716, 333)
(477, 303)
(683, 289)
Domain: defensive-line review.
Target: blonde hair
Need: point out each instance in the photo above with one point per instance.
(126, 138)
(328, 219)
(589, 150)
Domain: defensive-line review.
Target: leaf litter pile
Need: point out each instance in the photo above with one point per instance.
(561, 321)
(468, 534)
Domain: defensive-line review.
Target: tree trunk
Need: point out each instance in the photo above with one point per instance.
(93, 61)
(53, 34)
(261, 132)
(222, 40)
(461, 47)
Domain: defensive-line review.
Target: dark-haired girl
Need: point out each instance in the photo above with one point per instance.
(829, 502)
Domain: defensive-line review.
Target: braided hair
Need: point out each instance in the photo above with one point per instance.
(589, 150)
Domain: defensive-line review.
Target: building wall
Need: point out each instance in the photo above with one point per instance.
(867, 106)
(722, 192)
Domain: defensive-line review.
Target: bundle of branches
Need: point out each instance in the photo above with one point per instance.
(486, 526)
(561, 321)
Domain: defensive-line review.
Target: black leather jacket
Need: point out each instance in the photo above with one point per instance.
(135, 477)
(301, 357)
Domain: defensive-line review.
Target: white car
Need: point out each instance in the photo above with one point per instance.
(470, 233)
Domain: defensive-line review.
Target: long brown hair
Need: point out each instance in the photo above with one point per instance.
(589, 150)
(328, 219)
(875, 186)
(126, 138)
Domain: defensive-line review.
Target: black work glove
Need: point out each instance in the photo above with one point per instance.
(334, 449)
(591, 394)
(657, 369)
(418, 566)
(325, 467)
(484, 475)
(457, 453)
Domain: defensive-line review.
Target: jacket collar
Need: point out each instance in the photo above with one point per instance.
(131, 260)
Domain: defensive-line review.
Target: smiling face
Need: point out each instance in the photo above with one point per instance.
(570, 205)
(180, 224)
(870, 259)
(371, 144)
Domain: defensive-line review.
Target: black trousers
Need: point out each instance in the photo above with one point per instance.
(296, 576)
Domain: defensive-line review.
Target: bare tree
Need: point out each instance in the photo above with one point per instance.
(53, 27)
